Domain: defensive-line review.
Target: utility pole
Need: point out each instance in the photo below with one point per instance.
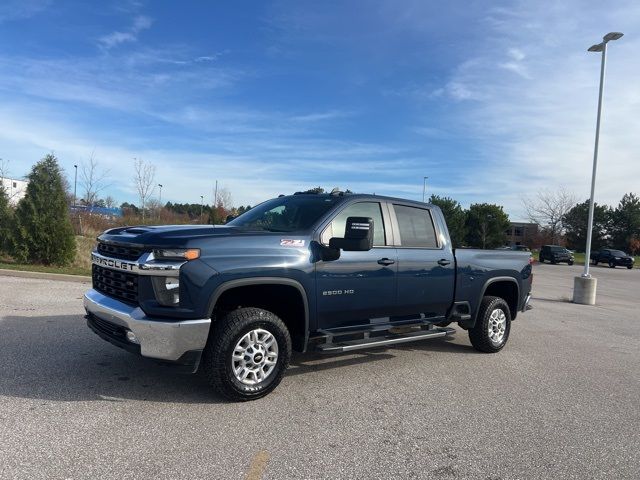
(424, 188)
(75, 184)
(584, 287)
(201, 206)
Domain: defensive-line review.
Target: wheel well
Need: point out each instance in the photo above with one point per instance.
(283, 300)
(506, 290)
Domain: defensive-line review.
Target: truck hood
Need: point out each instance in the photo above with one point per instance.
(172, 235)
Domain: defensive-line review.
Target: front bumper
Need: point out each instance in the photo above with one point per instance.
(157, 338)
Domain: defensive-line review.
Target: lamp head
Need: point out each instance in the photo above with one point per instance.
(596, 48)
(612, 36)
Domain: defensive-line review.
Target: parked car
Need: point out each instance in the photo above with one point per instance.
(613, 258)
(324, 272)
(555, 254)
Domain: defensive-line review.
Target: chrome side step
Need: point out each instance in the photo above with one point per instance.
(372, 342)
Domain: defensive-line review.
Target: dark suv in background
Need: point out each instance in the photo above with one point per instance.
(612, 257)
(555, 254)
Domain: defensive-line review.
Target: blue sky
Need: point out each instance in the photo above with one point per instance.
(493, 101)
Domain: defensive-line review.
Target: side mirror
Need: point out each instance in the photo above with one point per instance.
(358, 235)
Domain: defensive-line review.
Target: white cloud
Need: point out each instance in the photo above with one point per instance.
(113, 39)
(536, 129)
(21, 9)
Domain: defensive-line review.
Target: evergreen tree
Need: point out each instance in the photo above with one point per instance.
(487, 225)
(6, 219)
(625, 221)
(43, 232)
(575, 224)
(455, 217)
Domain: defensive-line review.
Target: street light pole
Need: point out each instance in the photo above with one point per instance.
(585, 287)
(75, 184)
(424, 188)
(201, 206)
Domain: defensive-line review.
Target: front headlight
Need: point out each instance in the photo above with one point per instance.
(176, 253)
(167, 290)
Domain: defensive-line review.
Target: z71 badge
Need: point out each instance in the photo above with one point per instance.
(290, 242)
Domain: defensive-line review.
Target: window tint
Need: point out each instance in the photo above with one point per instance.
(416, 227)
(286, 214)
(364, 209)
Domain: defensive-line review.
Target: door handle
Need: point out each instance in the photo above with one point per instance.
(444, 262)
(386, 261)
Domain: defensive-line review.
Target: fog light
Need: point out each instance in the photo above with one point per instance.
(167, 290)
(132, 337)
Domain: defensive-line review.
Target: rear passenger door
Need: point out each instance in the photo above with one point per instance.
(426, 265)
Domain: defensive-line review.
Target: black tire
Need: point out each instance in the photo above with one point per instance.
(553, 262)
(612, 264)
(225, 334)
(479, 334)
(629, 267)
(541, 259)
(570, 263)
(594, 261)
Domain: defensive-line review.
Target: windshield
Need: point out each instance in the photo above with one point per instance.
(286, 214)
(618, 253)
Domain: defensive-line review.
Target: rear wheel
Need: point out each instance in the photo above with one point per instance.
(247, 354)
(541, 259)
(570, 263)
(612, 264)
(491, 331)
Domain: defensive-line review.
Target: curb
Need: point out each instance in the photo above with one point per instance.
(4, 272)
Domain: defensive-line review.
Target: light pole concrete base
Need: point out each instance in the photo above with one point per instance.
(584, 290)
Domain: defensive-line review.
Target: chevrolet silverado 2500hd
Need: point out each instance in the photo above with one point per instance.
(323, 272)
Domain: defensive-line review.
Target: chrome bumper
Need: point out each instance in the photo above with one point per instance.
(158, 338)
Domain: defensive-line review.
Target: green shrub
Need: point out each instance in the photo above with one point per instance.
(42, 230)
(6, 218)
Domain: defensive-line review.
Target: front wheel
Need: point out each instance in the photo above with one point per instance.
(247, 354)
(629, 267)
(570, 263)
(491, 331)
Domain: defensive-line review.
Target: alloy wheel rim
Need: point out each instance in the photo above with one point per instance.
(254, 357)
(497, 325)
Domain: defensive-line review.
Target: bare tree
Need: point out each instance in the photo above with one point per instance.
(92, 179)
(224, 198)
(548, 209)
(145, 175)
(110, 202)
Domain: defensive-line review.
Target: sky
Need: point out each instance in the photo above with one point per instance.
(493, 101)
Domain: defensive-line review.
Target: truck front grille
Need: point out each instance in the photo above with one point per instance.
(120, 285)
(119, 251)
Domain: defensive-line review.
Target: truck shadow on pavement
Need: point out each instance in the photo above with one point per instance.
(58, 358)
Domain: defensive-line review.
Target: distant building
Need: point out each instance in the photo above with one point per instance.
(15, 189)
(522, 234)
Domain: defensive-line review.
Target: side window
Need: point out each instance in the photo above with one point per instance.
(363, 209)
(416, 227)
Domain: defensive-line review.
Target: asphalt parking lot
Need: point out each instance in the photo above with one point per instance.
(561, 401)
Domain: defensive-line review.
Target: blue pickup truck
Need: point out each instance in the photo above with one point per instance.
(308, 272)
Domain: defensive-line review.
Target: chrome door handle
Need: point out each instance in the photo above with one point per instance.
(444, 262)
(386, 261)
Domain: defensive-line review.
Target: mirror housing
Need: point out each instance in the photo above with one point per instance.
(358, 235)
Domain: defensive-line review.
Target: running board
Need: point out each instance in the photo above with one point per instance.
(372, 342)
